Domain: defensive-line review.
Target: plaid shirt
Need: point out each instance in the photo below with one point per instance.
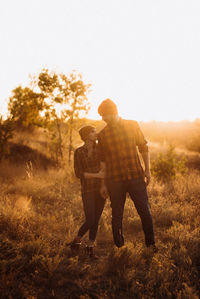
(118, 149)
(84, 163)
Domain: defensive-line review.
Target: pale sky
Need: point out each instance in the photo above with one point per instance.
(143, 54)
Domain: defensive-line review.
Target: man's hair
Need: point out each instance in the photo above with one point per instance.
(85, 131)
(107, 107)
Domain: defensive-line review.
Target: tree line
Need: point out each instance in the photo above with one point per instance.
(49, 100)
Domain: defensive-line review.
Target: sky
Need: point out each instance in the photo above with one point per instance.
(143, 54)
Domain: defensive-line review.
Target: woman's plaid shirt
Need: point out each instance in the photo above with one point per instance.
(118, 149)
(84, 163)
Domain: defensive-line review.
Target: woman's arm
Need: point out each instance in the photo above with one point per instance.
(78, 167)
(103, 188)
(79, 171)
(97, 175)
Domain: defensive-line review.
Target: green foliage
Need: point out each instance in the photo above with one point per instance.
(6, 133)
(167, 165)
(75, 90)
(50, 100)
(68, 93)
(25, 106)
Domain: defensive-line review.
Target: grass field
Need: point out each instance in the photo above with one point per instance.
(41, 210)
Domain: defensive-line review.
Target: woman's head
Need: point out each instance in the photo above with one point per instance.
(88, 133)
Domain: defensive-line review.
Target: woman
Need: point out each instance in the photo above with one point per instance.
(87, 169)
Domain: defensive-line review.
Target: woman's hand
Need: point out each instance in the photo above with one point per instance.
(97, 175)
(104, 191)
(101, 174)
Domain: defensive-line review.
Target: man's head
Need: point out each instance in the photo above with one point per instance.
(88, 133)
(108, 111)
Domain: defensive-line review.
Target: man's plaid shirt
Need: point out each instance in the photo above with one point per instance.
(118, 149)
(84, 163)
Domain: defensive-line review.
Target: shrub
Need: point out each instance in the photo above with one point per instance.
(167, 165)
(6, 132)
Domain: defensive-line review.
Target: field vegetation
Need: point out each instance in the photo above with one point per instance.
(41, 210)
(41, 207)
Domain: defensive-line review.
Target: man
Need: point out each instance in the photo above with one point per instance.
(118, 143)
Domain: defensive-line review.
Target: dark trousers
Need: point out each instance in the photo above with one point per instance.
(93, 205)
(138, 193)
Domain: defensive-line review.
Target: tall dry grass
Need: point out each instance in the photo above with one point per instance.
(40, 211)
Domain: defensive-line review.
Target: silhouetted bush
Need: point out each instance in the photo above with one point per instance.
(6, 132)
(167, 165)
(22, 154)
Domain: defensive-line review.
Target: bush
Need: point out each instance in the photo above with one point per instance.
(167, 165)
(6, 132)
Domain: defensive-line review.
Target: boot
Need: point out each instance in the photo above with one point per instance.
(75, 246)
(90, 252)
(153, 248)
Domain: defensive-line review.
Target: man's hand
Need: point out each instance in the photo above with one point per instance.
(147, 173)
(147, 177)
(104, 191)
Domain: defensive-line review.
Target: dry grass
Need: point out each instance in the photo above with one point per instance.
(41, 210)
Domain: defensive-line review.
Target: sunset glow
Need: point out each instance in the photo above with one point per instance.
(144, 55)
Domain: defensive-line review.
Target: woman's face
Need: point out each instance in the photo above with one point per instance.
(93, 135)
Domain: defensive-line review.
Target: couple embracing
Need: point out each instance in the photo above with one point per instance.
(112, 168)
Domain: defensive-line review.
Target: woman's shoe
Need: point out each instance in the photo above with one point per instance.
(74, 246)
(90, 252)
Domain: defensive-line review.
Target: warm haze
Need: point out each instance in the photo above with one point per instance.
(142, 54)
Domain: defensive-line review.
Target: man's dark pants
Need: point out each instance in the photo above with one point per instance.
(93, 204)
(138, 193)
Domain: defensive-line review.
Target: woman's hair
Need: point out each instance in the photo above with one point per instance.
(85, 131)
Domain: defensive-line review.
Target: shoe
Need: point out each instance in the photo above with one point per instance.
(153, 248)
(90, 252)
(74, 246)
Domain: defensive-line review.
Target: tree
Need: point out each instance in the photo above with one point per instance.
(25, 106)
(70, 93)
(75, 91)
(50, 87)
(50, 100)
(6, 133)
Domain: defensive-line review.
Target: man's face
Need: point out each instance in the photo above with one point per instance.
(110, 118)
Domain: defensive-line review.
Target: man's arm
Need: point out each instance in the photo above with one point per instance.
(146, 160)
(144, 151)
